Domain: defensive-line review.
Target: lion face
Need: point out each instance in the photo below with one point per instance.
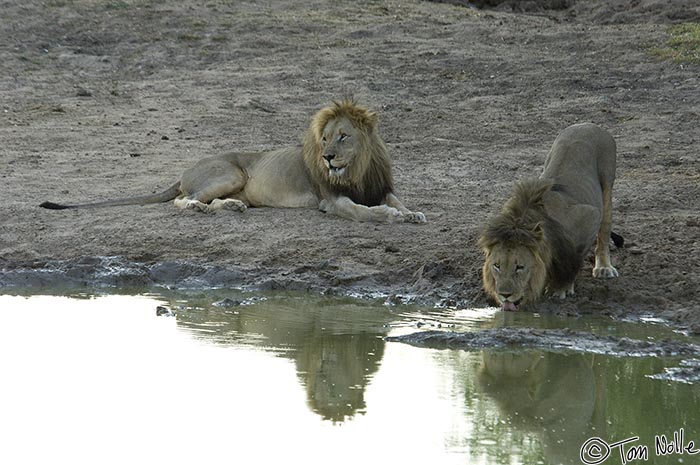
(513, 275)
(345, 155)
(339, 147)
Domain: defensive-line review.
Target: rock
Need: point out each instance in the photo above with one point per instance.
(163, 311)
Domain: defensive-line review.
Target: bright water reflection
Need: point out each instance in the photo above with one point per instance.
(290, 378)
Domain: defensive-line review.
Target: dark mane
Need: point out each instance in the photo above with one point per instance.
(524, 221)
(376, 185)
(371, 179)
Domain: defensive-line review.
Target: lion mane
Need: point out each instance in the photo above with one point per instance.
(369, 180)
(524, 222)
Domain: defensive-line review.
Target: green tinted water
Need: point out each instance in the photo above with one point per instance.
(286, 378)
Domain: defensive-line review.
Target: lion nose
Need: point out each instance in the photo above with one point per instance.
(506, 296)
(329, 156)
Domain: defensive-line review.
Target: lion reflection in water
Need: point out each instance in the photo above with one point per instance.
(561, 397)
(335, 357)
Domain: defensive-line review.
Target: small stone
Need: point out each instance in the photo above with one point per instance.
(163, 311)
(227, 303)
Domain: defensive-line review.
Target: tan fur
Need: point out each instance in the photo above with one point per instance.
(539, 239)
(342, 168)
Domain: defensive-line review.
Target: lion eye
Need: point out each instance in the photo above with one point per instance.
(342, 137)
(519, 268)
(496, 268)
(323, 139)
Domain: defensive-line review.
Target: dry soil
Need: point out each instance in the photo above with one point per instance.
(101, 99)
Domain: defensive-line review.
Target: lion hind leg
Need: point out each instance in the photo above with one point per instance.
(210, 194)
(603, 267)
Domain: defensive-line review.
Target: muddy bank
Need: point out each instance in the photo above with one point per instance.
(556, 340)
(564, 341)
(114, 272)
(103, 100)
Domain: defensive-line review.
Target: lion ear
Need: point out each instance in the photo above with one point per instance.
(372, 119)
(538, 231)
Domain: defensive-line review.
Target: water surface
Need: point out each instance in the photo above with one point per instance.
(280, 378)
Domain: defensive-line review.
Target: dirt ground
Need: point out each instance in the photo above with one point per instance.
(107, 99)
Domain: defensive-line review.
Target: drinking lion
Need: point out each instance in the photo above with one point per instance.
(538, 241)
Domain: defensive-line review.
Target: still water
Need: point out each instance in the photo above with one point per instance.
(270, 379)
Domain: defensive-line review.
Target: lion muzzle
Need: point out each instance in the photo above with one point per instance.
(333, 170)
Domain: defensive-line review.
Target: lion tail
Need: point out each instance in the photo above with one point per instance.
(165, 196)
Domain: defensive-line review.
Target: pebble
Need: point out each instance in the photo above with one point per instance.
(163, 311)
(226, 303)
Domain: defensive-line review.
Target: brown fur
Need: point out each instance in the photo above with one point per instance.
(370, 178)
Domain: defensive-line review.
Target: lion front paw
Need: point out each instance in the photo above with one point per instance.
(605, 272)
(324, 206)
(384, 214)
(562, 293)
(392, 214)
(414, 217)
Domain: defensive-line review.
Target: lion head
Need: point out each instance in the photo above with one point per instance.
(515, 268)
(346, 156)
(526, 250)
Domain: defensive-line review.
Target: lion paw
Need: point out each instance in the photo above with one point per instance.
(605, 272)
(385, 214)
(393, 215)
(563, 293)
(197, 206)
(559, 294)
(324, 206)
(414, 217)
(232, 205)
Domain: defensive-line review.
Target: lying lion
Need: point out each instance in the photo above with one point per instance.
(343, 168)
(540, 238)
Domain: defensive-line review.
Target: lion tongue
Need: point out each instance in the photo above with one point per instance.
(509, 307)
